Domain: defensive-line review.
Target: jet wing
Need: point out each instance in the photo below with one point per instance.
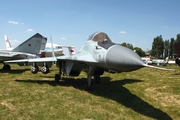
(8, 54)
(80, 57)
(49, 59)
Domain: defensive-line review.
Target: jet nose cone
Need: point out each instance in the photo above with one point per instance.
(123, 59)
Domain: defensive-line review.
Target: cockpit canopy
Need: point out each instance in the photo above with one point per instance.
(102, 39)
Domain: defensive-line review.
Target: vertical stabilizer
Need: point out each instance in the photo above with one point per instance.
(32, 45)
(71, 50)
(8, 45)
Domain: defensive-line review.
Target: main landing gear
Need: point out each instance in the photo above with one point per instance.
(45, 69)
(35, 69)
(90, 73)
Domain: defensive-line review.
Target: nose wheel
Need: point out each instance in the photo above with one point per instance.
(89, 85)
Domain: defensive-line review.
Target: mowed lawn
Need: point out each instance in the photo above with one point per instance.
(145, 94)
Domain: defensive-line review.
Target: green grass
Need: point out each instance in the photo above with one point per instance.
(143, 94)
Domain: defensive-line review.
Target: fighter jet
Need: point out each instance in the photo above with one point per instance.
(98, 54)
(28, 49)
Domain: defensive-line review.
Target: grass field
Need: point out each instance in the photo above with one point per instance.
(145, 94)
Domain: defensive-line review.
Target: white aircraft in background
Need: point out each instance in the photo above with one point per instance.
(58, 50)
(26, 50)
(158, 62)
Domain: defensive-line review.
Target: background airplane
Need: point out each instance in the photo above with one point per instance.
(28, 49)
(98, 54)
(58, 49)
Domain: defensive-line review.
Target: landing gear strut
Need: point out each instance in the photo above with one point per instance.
(89, 83)
(58, 77)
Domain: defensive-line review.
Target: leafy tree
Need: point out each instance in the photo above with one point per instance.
(166, 48)
(171, 47)
(178, 38)
(158, 47)
(123, 44)
(128, 45)
(139, 51)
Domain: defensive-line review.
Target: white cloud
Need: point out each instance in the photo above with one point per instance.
(122, 32)
(63, 38)
(29, 30)
(13, 22)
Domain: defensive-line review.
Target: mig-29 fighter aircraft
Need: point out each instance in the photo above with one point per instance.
(98, 54)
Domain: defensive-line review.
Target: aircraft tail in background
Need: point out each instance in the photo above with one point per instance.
(33, 45)
(8, 45)
(70, 49)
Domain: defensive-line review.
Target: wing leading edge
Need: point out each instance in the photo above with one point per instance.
(79, 57)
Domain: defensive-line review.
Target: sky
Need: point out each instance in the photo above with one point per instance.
(70, 22)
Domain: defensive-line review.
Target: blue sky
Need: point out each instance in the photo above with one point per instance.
(70, 22)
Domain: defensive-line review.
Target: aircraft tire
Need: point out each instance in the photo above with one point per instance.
(177, 61)
(89, 87)
(34, 69)
(57, 78)
(6, 67)
(45, 69)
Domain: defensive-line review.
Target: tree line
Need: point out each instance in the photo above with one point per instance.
(160, 48)
(164, 48)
